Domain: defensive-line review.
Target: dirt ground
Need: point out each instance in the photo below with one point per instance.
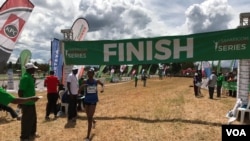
(164, 110)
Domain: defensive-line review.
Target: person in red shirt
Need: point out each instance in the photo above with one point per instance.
(52, 83)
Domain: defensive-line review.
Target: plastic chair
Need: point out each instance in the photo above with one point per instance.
(65, 105)
(243, 111)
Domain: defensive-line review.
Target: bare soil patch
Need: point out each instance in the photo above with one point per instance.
(164, 110)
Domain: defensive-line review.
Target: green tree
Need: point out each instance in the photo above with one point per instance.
(43, 67)
(9, 65)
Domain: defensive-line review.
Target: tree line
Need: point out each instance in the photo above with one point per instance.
(42, 67)
(174, 68)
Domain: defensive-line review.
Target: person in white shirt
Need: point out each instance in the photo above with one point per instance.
(211, 84)
(72, 86)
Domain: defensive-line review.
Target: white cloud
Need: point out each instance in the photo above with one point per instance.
(211, 15)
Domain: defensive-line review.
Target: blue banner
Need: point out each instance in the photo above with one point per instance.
(208, 72)
(56, 58)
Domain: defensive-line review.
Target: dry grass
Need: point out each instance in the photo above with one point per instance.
(164, 110)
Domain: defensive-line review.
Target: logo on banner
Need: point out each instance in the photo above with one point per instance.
(231, 44)
(12, 27)
(76, 53)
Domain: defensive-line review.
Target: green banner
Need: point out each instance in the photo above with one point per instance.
(139, 69)
(219, 45)
(25, 56)
(148, 71)
(219, 66)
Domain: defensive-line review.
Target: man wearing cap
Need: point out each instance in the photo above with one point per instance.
(29, 116)
(72, 86)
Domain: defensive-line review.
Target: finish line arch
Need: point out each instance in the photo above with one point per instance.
(219, 45)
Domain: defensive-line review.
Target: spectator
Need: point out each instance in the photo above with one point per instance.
(136, 79)
(231, 79)
(212, 80)
(10, 110)
(29, 115)
(72, 86)
(144, 78)
(52, 83)
(6, 98)
(220, 79)
(200, 79)
(160, 73)
(197, 84)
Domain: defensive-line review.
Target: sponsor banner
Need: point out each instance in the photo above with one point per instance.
(219, 45)
(140, 70)
(13, 17)
(207, 68)
(56, 58)
(233, 65)
(10, 85)
(208, 72)
(125, 78)
(102, 67)
(122, 68)
(219, 66)
(235, 132)
(129, 69)
(149, 69)
(80, 72)
(80, 28)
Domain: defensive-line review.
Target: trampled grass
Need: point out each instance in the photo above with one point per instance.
(164, 110)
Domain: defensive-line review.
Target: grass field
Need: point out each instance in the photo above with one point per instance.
(164, 110)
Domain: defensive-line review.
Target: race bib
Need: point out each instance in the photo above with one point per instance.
(91, 89)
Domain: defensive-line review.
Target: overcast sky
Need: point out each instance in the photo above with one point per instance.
(124, 19)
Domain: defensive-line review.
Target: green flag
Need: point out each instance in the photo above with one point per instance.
(232, 65)
(139, 69)
(25, 56)
(218, 66)
(102, 67)
(129, 69)
(149, 69)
